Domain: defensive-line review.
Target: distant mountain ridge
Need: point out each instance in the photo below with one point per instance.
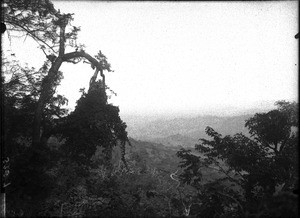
(183, 131)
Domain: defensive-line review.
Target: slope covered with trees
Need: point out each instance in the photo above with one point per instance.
(259, 174)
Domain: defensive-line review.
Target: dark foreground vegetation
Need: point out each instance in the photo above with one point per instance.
(82, 164)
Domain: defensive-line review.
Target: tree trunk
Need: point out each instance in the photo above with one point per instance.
(47, 86)
(46, 94)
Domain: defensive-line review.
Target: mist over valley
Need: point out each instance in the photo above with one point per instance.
(182, 131)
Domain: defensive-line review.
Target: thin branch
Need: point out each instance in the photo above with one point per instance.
(224, 171)
(239, 174)
(37, 39)
(62, 39)
(283, 144)
(44, 52)
(25, 38)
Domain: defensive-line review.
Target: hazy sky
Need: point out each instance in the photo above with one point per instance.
(175, 57)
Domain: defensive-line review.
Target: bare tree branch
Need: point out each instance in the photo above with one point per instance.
(31, 33)
(83, 54)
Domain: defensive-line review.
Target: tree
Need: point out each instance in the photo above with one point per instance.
(27, 166)
(95, 124)
(30, 100)
(252, 171)
(277, 133)
(52, 30)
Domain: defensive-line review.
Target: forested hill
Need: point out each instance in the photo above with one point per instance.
(184, 131)
(154, 155)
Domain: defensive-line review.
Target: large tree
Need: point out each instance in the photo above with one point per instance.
(53, 32)
(95, 124)
(253, 171)
(33, 111)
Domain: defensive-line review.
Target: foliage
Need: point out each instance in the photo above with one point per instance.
(257, 168)
(21, 88)
(30, 101)
(27, 166)
(95, 123)
(40, 21)
(53, 31)
(30, 185)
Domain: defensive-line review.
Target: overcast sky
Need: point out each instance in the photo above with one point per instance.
(200, 57)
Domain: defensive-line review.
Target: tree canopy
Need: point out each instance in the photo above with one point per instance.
(53, 31)
(34, 113)
(259, 168)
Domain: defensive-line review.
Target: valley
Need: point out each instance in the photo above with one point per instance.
(182, 131)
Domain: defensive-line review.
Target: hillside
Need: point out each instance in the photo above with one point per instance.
(151, 155)
(184, 131)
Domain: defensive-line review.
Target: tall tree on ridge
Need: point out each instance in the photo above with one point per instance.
(53, 31)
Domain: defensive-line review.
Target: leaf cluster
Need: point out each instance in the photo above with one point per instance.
(255, 167)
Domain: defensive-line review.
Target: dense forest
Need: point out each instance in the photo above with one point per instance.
(82, 163)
